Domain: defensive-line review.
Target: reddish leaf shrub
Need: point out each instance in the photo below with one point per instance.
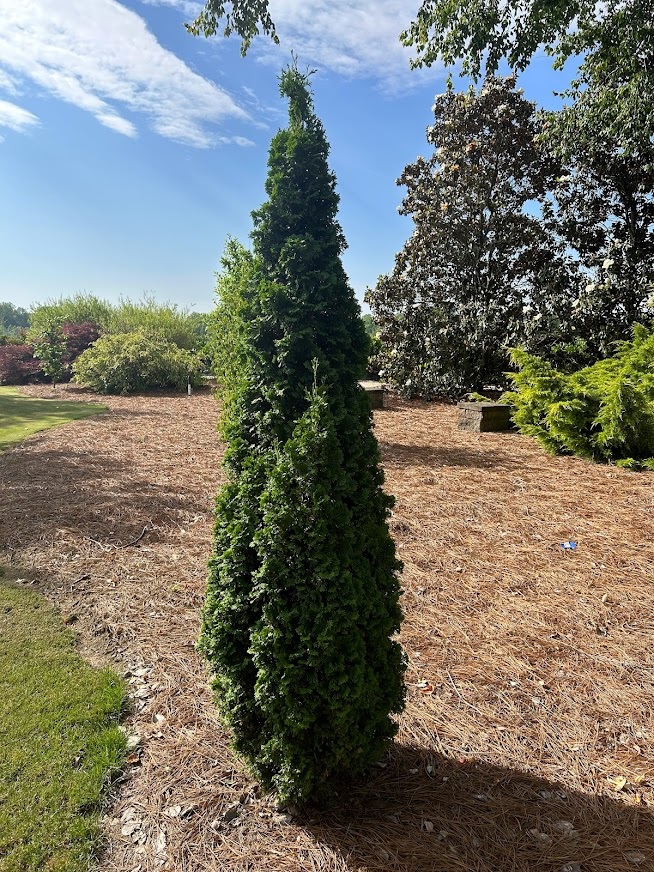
(78, 338)
(18, 365)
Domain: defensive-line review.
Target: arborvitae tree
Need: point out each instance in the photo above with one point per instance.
(480, 271)
(303, 587)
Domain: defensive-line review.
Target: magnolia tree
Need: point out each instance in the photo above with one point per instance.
(480, 271)
(603, 205)
(302, 600)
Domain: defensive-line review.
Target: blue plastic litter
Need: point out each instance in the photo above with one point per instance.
(568, 546)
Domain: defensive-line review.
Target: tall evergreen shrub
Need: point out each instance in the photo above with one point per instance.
(303, 594)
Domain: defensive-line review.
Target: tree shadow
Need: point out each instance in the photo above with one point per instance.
(472, 816)
(398, 454)
(50, 490)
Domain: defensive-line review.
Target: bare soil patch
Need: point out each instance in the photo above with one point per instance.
(527, 739)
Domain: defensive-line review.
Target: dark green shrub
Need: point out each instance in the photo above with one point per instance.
(604, 412)
(131, 362)
(303, 590)
(324, 617)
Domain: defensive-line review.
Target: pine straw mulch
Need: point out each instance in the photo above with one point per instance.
(527, 739)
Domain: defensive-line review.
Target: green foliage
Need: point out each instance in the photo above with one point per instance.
(77, 309)
(59, 739)
(131, 362)
(13, 320)
(615, 40)
(180, 326)
(303, 585)
(227, 324)
(603, 206)
(165, 320)
(369, 324)
(49, 344)
(604, 412)
(317, 686)
(243, 17)
(480, 271)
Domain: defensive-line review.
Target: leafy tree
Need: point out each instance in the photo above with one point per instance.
(49, 345)
(304, 492)
(480, 271)
(615, 39)
(13, 319)
(604, 205)
(369, 324)
(243, 17)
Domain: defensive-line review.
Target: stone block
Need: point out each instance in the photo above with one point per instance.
(375, 393)
(484, 417)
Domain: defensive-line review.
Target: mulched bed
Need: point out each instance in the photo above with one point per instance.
(527, 741)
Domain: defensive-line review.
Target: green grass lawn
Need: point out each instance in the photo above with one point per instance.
(59, 739)
(20, 416)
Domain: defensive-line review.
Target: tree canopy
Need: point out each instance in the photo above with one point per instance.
(246, 18)
(480, 269)
(615, 40)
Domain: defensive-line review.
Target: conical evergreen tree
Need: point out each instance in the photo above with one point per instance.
(303, 594)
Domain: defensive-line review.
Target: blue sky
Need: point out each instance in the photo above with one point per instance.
(130, 150)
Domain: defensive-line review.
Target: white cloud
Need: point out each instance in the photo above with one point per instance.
(115, 122)
(15, 117)
(356, 39)
(6, 84)
(100, 56)
(243, 141)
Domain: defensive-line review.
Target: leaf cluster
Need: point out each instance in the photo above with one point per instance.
(243, 17)
(604, 412)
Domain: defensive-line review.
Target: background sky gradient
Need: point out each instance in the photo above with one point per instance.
(130, 150)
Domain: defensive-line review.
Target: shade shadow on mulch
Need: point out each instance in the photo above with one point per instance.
(427, 812)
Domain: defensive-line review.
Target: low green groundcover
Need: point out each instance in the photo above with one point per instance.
(59, 739)
(20, 416)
